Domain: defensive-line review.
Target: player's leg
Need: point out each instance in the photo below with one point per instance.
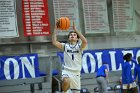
(99, 85)
(124, 90)
(134, 90)
(134, 87)
(75, 83)
(65, 81)
(139, 87)
(65, 84)
(104, 85)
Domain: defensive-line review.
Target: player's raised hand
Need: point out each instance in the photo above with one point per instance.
(57, 24)
(74, 27)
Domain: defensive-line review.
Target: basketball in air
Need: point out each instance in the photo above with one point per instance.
(63, 23)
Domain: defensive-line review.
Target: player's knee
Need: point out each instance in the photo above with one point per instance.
(66, 80)
(65, 84)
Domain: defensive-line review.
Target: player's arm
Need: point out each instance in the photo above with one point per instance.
(106, 72)
(135, 73)
(83, 39)
(55, 42)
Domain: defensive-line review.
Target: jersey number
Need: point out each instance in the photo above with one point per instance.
(72, 56)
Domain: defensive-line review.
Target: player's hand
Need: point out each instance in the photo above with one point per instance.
(57, 24)
(107, 80)
(74, 27)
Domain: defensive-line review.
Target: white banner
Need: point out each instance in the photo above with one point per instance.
(124, 19)
(8, 19)
(95, 16)
(67, 8)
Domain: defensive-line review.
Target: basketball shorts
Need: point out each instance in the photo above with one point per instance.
(75, 82)
(132, 85)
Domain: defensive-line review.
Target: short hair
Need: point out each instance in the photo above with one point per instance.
(138, 57)
(73, 32)
(127, 56)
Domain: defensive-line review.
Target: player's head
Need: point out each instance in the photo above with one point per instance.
(73, 37)
(105, 63)
(138, 59)
(127, 57)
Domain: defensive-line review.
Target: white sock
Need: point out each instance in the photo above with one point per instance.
(68, 91)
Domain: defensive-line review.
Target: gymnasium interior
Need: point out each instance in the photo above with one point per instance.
(30, 63)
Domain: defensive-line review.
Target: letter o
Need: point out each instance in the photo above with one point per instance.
(7, 68)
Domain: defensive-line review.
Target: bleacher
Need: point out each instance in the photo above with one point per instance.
(36, 85)
(49, 80)
(88, 80)
(41, 84)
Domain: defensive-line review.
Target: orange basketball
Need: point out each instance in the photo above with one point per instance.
(63, 23)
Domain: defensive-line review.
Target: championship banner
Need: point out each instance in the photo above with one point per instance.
(15, 67)
(67, 8)
(93, 59)
(35, 17)
(124, 18)
(95, 16)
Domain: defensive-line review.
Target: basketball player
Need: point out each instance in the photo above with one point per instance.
(72, 59)
(128, 84)
(137, 72)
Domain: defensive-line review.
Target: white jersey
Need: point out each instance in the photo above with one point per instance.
(72, 57)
